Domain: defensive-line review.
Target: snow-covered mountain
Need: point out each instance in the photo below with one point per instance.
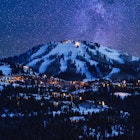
(78, 60)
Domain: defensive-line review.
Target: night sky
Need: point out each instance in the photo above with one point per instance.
(27, 23)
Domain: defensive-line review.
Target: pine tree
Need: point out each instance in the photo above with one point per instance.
(1, 74)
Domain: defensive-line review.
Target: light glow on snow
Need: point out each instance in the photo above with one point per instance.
(122, 95)
(77, 44)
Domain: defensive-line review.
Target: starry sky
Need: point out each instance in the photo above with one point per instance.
(28, 23)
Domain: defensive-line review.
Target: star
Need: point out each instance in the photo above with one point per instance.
(25, 24)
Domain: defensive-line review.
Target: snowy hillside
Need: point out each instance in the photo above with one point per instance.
(5, 69)
(76, 60)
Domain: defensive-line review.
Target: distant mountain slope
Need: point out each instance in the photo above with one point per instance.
(78, 60)
(10, 68)
(5, 69)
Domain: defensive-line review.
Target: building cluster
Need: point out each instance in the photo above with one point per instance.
(49, 101)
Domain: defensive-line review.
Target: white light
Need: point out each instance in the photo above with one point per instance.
(77, 44)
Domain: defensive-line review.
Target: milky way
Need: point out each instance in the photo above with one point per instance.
(113, 23)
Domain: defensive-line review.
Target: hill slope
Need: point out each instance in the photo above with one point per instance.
(74, 60)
